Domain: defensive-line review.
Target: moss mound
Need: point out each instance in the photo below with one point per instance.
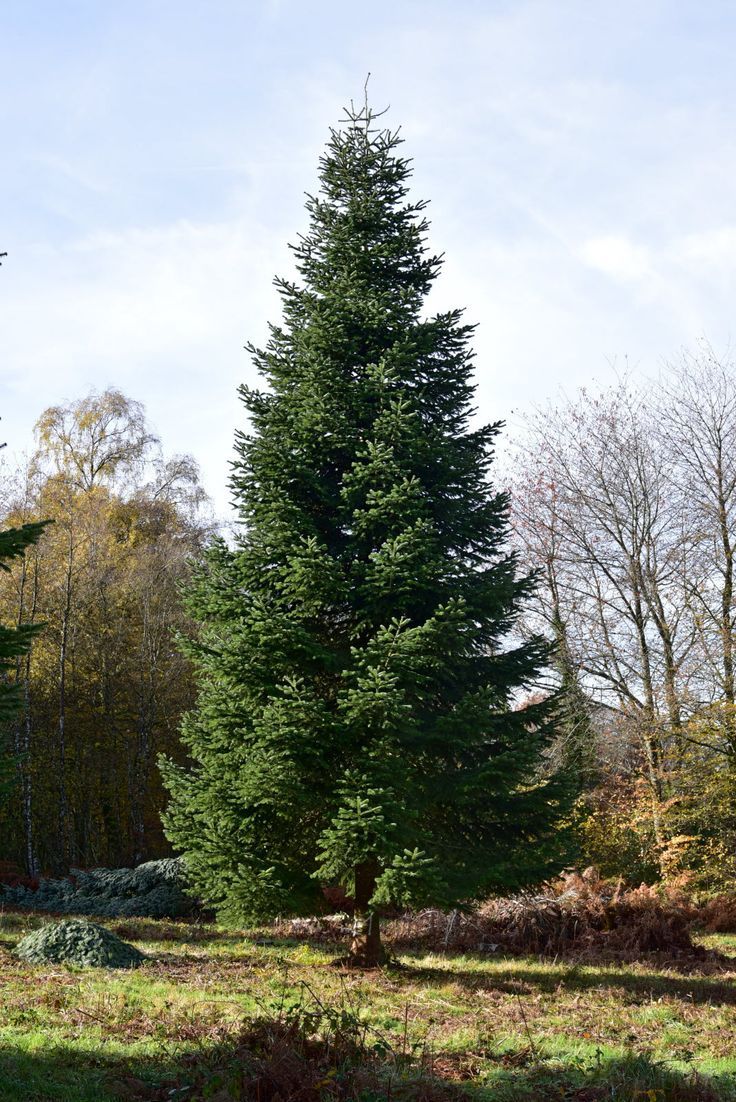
(75, 941)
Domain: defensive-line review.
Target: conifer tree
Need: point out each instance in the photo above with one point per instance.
(14, 640)
(355, 722)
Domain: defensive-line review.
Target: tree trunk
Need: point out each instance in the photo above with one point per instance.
(25, 729)
(366, 950)
(726, 625)
(63, 841)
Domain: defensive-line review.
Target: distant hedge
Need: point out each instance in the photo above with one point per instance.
(152, 890)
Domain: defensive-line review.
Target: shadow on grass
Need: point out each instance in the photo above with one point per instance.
(62, 1074)
(699, 980)
(518, 977)
(612, 1078)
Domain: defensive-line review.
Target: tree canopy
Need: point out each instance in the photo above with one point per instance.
(104, 687)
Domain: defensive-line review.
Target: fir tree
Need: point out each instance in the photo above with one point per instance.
(355, 722)
(14, 641)
(576, 741)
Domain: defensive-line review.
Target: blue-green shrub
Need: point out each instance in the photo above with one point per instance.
(76, 941)
(152, 890)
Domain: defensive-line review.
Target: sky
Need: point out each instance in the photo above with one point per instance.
(579, 158)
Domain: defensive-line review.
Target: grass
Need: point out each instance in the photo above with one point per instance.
(496, 1028)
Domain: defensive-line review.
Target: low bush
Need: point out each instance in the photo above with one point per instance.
(152, 890)
(573, 915)
(75, 941)
(718, 915)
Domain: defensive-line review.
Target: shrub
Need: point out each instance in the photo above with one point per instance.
(701, 817)
(687, 835)
(152, 890)
(75, 941)
(718, 915)
(580, 914)
(575, 915)
(616, 834)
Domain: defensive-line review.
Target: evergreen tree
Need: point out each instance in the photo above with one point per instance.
(576, 734)
(355, 721)
(14, 641)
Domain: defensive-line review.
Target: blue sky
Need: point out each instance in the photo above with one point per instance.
(580, 159)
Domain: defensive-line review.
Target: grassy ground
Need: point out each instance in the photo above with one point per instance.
(500, 1028)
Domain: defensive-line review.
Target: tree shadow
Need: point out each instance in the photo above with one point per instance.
(699, 980)
(60, 1074)
(630, 1076)
(517, 977)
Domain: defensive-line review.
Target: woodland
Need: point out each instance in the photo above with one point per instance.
(419, 780)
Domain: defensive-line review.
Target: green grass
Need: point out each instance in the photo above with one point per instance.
(502, 1028)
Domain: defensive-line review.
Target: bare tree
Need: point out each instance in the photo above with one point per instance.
(696, 406)
(605, 532)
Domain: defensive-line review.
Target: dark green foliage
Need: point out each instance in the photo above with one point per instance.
(75, 941)
(355, 716)
(14, 641)
(152, 890)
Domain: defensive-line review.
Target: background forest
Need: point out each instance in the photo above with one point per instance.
(623, 503)
(104, 685)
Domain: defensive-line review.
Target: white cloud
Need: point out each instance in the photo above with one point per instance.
(579, 168)
(162, 313)
(716, 248)
(617, 257)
